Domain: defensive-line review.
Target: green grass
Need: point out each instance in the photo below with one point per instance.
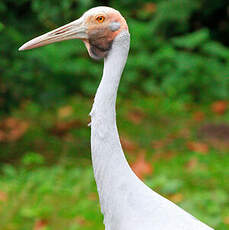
(46, 175)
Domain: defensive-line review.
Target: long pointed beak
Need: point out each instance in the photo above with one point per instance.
(73, 30)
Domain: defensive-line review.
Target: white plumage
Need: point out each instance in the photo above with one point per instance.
(126, 202)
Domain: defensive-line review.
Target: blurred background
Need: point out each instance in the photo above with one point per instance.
(172, 111)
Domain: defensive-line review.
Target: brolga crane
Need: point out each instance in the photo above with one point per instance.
(126, 202)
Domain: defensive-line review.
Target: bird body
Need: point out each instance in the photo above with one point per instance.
(126, 202)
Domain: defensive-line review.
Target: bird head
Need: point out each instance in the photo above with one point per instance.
(97, 28)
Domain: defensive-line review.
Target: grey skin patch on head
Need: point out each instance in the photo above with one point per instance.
(98, 52)
(114, 26)
(99, 43)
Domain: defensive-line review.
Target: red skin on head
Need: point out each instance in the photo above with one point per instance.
(100, 35)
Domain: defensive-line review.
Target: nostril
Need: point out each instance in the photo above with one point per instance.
(61, 31)
(58, 33)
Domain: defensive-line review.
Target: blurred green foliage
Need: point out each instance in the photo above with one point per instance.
(179, 53)
(46, 175)
(179, 49)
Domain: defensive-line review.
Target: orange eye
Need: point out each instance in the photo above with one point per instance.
(100, 19)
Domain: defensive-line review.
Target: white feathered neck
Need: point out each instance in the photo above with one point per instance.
(109, 163)
(126, 202)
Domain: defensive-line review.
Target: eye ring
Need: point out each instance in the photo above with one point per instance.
(100, 19)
